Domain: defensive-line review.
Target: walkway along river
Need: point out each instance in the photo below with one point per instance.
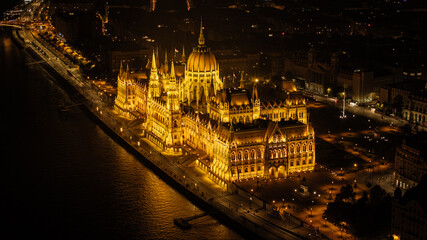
(223, 205)
(64, 178)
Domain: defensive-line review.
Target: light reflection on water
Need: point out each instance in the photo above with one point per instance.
(64, 178)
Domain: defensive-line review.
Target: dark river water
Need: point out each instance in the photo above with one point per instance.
(62, 177)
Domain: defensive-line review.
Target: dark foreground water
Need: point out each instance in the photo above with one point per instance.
(62, 177)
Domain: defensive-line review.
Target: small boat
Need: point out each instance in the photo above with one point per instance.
(181, 223)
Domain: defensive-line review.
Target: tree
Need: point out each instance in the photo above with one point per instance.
(346, 193)
(377, 194)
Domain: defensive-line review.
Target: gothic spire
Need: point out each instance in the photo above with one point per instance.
(173, 77)
(153, 62)
(255, 91)
(127, 73)
(166, 65)
(121, 69)
(212, 89)
(242, 85)
(201, 37)
(183, 54)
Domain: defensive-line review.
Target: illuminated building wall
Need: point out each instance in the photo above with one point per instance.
(242, 134)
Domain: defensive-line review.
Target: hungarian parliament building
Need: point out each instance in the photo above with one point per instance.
(245, 132)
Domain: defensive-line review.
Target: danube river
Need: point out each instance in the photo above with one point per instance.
(64, 178)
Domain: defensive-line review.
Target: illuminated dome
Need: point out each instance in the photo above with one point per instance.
(201, 59)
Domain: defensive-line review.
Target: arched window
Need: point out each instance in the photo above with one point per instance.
(304, 148)
(246, 154)
(298, 148)
(253, 154)
(271, 154)
(310, 147)
(259, 153)
(239, 157)
(292, 149)
(233, 156)
(285, 153)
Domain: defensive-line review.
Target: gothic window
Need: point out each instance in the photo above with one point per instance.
(304, 148)
(271, 154)
(292, 149)
(253, 154)
(284, 152)
(310, 147)
(239, 157)
(246, 154)
(259, 153)
(298, 148)
(233, 156)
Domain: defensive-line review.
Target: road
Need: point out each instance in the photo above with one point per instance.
(232, 205)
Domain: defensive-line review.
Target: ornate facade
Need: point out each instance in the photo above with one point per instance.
(242, 132)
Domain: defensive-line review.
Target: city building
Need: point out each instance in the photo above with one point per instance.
(410, 161)
(415, 110)
(409, 213)
(407, 99)
(240, 133)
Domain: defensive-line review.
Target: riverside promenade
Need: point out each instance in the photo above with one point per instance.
(252, 216)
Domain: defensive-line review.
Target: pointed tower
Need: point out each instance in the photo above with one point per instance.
(157, 56)
(211, 90)
(255, 101)
(121, 70)
(173, 92)
(124, 101)
(201, 36)
(154, 84)
(211, 96)
(166, 65)
(242, 83)
(174, 132)
(172, 75)
(183, 54)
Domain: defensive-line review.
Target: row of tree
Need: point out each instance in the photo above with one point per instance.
(369, 215)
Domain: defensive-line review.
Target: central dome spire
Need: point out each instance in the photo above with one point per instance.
(201, 37)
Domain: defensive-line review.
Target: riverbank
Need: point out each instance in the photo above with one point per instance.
(222, 205)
